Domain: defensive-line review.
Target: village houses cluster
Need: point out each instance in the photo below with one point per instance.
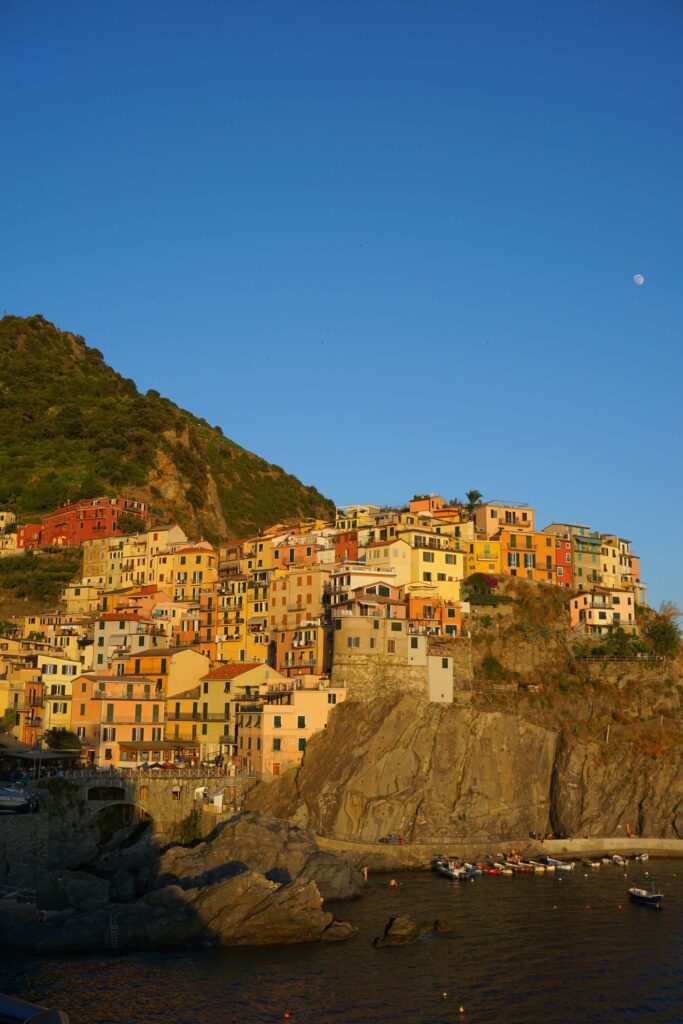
(168, 650)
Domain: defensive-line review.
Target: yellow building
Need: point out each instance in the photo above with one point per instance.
(483, 556)
(6, 519)
(355, 516)
(182, 573)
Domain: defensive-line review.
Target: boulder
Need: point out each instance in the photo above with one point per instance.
(60, 890)
(275, 848)
(402, 930)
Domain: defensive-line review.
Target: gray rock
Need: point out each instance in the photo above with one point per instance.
(59, 890)
(275, 848)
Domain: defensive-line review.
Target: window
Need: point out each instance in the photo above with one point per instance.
(107, 754)
(277, 743)
(427, 577)
(529, 561)
(375, 624)
(277, 722)
(513, 559)
(337, 624)
(353, 641)
(391, 646)
(427, 556)
(414, 642)
(302, 744)
(396, 627)
(444, 663)
(301, 722)
(108, 734)
(441, 576)
(373, 643)
(332, 698)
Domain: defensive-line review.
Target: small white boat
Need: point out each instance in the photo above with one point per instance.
(642, 856)
(565, 865)
(618, 859)
(591, 863)
(504, 869)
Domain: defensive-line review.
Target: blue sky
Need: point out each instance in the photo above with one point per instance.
(387, 245)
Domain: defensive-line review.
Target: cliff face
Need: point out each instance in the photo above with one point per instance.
(429, 771)
(73, 428)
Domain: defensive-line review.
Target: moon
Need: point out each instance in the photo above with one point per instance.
(638, 279)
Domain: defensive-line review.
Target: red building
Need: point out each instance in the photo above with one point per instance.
(76, 521)
(563, 562)
(346, 546)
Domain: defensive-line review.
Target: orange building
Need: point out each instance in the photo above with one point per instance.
(431, 614)
(305, 649)
(120, 721)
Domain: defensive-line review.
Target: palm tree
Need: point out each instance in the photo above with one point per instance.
(473, 498)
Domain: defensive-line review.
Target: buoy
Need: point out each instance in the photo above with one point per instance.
(445, 995)
(619, 906)
(462, 1009)
(286, 1015)
(587, 907)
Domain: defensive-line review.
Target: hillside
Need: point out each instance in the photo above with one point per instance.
(72, 428)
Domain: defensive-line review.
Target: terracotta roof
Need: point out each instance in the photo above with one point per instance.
(230, 670)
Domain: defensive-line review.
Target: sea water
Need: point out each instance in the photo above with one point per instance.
(527, 949)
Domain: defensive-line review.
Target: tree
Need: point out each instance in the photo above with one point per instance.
(473, 499)
(669, 611)
(131, 524)
(61, 739)
(8, 720)
(664, 637)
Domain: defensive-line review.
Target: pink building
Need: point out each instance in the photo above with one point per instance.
(600, 610)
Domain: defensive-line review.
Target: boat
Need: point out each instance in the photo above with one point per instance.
(519, 867)
(590, 863)
(606, 860)
(552, 864)
(492, 870)
(642, 856)
(618, 859)
(543, 864)
(452, 869)
(648, 897)
(503, 869)
(15, 801)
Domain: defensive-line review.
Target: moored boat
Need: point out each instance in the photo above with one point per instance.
(648, 897)
(642, 856)
(590, 863)
(618, 859)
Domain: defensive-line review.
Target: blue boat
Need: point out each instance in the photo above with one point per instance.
(648, 897)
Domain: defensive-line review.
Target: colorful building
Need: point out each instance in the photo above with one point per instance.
(78, 521)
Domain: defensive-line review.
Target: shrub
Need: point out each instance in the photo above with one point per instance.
(493, 669)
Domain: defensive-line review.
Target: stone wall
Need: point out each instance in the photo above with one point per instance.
(368, 676)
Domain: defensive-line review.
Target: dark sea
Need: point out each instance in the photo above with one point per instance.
(553, 949)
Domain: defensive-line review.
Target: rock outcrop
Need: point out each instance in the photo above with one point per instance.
(402, 930)
(428, 771)
(254, 881)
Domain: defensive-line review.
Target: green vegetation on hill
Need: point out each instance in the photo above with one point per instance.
(33, 582)
(72, 427)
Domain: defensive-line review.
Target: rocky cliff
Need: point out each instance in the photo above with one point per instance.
(430, 771)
